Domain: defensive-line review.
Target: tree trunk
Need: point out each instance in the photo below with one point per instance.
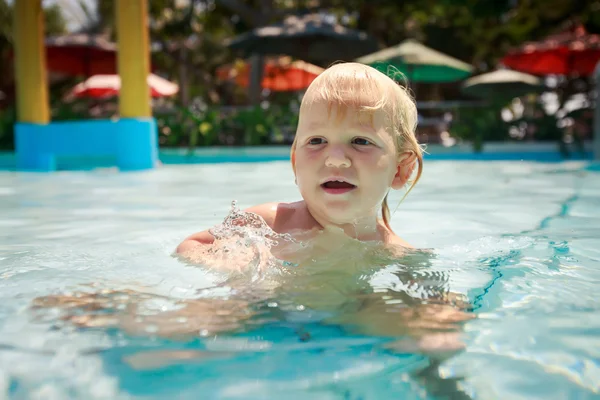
(184, 95)
(256, 76)
(254, 18)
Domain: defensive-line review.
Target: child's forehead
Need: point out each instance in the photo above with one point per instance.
(326, 114)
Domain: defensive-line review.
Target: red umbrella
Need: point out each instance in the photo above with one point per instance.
(280, 74)
(102, 86)
(81, 55)
(571, 52)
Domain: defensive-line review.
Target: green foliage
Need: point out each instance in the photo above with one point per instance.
(54, 24)
(72, 111)
(245, 126)
(253, 124)
(484, 124)
(478, 125)
(538, 125)
(5, 22)
(54, 21)
(189, 36)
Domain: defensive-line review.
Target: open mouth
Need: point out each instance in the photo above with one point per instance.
(337, 186)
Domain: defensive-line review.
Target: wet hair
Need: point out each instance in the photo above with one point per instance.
(358, 86)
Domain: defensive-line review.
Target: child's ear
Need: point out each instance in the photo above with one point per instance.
(293, 156)
(407, 161)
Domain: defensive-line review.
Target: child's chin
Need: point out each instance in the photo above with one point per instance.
(337, 210)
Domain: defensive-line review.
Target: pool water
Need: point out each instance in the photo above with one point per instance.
(520, 239)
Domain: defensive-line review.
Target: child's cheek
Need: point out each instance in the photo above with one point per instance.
(310, 155)
(377, 162)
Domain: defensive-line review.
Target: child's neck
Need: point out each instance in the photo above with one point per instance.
(366, 229)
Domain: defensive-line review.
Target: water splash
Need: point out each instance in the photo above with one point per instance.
(243, 242)
(252, 227)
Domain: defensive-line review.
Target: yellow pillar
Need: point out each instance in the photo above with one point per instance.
(133, 58)
(30, 62)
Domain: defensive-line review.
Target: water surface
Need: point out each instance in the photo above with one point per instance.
(520, 240)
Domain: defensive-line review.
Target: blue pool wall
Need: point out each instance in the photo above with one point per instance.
(140, 152)
(127, 143)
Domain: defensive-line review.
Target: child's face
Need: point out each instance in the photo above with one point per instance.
(356, 149)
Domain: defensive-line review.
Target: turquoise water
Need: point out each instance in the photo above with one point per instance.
(519, 239)
(501, 151)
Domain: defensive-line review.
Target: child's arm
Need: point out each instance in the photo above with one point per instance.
(194, 241)
(433, 328)
(267, 211)
(126, 309)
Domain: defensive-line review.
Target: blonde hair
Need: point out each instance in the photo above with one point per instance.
(355, 85)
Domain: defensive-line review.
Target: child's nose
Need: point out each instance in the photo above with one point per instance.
(337, 158)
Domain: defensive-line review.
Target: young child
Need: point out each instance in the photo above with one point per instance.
(354, 143)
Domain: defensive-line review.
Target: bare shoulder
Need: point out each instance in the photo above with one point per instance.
(278, 217)
(397, 241)
(268, 212)
(281, 217)
(399, 247)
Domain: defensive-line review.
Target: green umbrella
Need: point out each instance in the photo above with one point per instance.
(418, 62)
(503, 83)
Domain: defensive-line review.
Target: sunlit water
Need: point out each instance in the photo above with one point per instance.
(520, 240)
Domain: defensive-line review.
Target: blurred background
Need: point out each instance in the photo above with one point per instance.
(232, 72)
(509, 80)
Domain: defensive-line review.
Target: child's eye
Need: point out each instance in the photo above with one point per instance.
(315, 141)
(361, 141)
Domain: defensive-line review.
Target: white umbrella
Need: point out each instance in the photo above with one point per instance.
(502, 83)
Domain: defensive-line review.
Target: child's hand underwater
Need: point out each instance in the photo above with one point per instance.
(128, 311)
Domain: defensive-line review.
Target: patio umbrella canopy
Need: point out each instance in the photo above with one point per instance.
(502, 84)
(418, 63)
(81, 55)
(280, 74)
(102, 86)
(571, 52)
(312, 37)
